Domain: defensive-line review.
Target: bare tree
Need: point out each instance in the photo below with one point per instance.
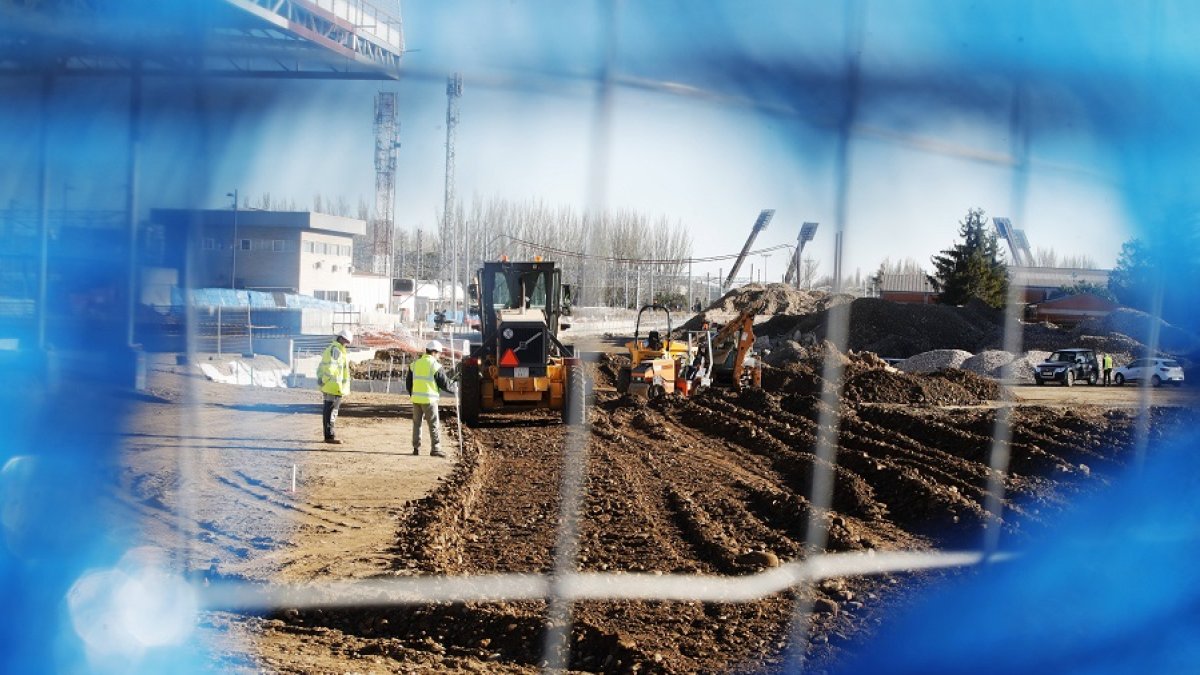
(1046, 257)
(808, 271)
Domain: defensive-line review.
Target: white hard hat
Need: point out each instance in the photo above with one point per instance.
(346, 335)
(433, 346)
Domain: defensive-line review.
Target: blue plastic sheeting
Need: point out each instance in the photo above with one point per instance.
(309, 302)
(228, 297)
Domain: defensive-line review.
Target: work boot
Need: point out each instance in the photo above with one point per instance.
(416, 451)
(437, 453)
(333, 441)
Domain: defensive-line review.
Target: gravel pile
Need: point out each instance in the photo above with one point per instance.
(1020, 370)
(988, 362)
(933, 361)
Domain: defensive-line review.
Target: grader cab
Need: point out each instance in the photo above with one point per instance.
(520, 362)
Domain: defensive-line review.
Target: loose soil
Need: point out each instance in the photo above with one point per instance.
(711, 485)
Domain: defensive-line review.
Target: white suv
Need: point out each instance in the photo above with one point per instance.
(1155, 370)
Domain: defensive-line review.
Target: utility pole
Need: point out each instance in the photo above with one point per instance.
(453, 93)
(383, 232)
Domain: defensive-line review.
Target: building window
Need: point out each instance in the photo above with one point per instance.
(245, 244)
(210, 244)
(310, 247)
(277, 245)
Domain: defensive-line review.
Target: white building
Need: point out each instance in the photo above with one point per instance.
(290, 251)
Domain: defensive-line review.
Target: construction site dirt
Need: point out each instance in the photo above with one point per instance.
(233, 485)
(713, 485)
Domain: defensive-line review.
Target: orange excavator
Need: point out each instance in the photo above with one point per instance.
(661, 366)
(734, 362)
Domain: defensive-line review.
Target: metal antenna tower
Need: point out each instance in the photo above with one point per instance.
(453, 93)
(383, 230)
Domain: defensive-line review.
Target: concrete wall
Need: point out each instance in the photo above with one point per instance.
(329, 271)
(261, 267)
(280, 348)
(370, 293)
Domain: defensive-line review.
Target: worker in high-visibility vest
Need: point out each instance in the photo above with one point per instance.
(333, 376)
(425, 381)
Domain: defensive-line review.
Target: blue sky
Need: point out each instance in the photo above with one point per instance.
(720, 109)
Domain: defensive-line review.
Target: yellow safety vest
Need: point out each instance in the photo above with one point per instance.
(334, 372)
(425, 389)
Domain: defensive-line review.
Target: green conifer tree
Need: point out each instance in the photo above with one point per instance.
(973, 268)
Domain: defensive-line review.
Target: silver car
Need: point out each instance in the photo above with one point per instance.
(1156, 371)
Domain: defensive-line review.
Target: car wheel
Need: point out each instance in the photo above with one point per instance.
(1092, 379)
(1155, 381)
(1069, 380)
(1119, 379)
(1039, 381)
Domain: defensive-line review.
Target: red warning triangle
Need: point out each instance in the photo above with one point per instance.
(509, 359)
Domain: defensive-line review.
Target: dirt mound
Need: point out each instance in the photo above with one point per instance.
(896, 330)
(780, 301)
(604, 371)
(715, 484)
(868, 379)
(1138, 325)
(982, 387)
(770, 299)
(892, 386)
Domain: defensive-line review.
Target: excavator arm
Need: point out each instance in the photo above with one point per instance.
(736, 338)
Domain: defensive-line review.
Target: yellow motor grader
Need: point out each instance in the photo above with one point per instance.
(521, 363)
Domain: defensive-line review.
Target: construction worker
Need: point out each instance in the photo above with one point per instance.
(333, 376)
(425, 380)
(1108, 368)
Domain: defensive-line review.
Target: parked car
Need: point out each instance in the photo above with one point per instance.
(1068, 366)
(1156, 371)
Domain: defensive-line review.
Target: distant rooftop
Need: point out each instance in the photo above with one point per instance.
(1036, 277)
(303, 220)
(1055, 277)
(905, 283)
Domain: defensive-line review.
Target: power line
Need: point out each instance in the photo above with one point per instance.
(656, 261)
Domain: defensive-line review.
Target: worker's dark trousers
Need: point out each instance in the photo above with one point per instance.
(329, 414)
